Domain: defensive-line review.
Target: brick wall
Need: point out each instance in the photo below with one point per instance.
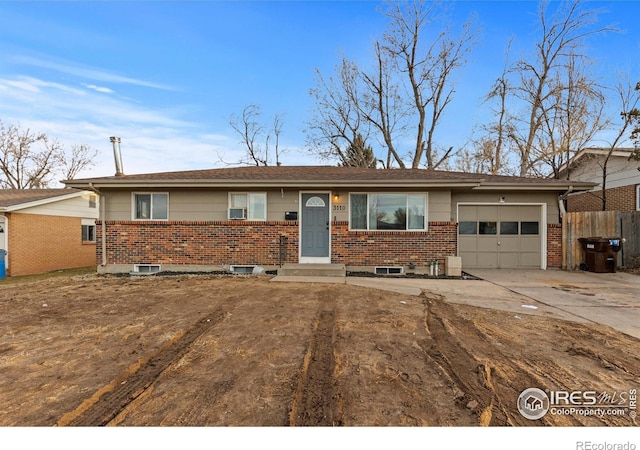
(235, 242)
(198, 242)
(39, 243)
(554, 245)
(397, 248)
(618, 199)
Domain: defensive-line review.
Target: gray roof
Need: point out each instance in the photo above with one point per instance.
(13, 197)
(288, 176)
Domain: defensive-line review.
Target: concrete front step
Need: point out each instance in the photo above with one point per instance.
(313, 270)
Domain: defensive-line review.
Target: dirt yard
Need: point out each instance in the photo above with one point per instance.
(214, 351)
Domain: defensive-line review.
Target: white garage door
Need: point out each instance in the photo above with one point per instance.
(500, 236)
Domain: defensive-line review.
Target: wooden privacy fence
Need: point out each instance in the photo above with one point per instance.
(576, 225)
(629, 223)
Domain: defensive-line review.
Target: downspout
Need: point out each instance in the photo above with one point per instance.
(561, 199)
(104, 223)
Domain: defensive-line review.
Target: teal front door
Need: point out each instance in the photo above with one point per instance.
(315, 228)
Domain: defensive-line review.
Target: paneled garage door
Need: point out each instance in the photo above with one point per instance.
(500, 236)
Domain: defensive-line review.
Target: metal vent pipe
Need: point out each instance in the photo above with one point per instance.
(117, 156)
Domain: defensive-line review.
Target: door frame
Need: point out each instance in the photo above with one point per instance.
(312, 259)
(543, 224)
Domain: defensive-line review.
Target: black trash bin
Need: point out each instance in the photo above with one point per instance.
(601, 253)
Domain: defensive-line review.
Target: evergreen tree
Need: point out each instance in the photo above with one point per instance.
(359, 154)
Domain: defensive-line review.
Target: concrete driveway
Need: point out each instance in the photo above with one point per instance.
(611, 299)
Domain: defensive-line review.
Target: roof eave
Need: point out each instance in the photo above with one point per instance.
(146, 184)
(40, 202)
(577, 186)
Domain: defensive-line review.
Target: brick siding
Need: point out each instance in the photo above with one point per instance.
(554, 246)
(235, 242)
(394, 248)
(40, 243)
(618, 199)
(198, 242)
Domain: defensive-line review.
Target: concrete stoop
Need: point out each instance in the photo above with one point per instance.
(313, 270)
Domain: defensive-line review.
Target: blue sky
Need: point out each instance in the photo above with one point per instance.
(166, 76)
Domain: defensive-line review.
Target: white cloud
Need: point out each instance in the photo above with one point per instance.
(23, 85)
(104, 90)
(153, 139)
(91, 73)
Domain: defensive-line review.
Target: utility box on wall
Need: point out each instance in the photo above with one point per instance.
(453, 266)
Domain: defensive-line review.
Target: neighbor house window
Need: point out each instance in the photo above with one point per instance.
(151, 206)
(388, 211)
(88, 233)
(248, 206)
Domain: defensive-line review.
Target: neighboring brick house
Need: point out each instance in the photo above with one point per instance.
(236, 218)
(622, 183)
(47, 229)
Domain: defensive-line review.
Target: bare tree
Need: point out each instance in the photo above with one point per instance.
(385, 109)
(30, 160)
(277, 131)
(409, 87)
(491, 149)
(629, 102)
(26, 158)
(252, 133)
(340, 114)
(542, 86)
(81, 157)
(576, 118)
(634, 116)
(429, 70)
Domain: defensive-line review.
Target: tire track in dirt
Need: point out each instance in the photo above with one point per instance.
(469, 363)
(116, 396)
(314, 402)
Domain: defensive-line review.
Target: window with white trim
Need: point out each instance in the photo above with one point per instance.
(88, 230)
(150, 206)
(406, 212)
(247, 206)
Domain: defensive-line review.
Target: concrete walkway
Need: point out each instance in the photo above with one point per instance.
(610, 299)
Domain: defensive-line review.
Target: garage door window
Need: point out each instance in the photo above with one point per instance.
(529, 228)
(488, 228)
(491, 228)
(468, 227)
(508, 228)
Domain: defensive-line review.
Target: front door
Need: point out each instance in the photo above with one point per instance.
(315, 229)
